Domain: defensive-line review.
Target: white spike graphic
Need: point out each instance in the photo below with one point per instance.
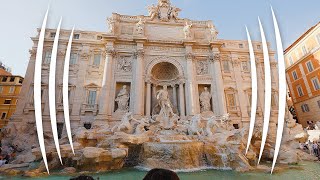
(282, 90)
(37, 91)
(66, 90)
(52, 91)
(254, 90)
(267, 99)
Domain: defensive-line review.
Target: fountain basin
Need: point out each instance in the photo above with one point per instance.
(173, 155)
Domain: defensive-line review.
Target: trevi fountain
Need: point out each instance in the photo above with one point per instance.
(178, 101)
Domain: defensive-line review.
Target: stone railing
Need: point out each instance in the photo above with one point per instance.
(30, 107)
(60, 107)
(89, 108)
(234, 110)
(259, 110)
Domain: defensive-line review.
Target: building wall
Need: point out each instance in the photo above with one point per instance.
(228, 74)
(296, 60)
(9, 91)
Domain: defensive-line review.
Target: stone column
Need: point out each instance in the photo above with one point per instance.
(105, 96)
(148, 100)
(219, 91)
(174, 90)
(181, 100)
(191, 104)
(139, 83)
(243, 98)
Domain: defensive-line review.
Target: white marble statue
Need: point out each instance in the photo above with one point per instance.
(140, 129)
(187, 31)
(194, 127)
(174, 13)
(111, 25)
(213, 32)
(140, 27)
(164, 2)
(125, 125)
(225, 121)
(123, 100)
(205, 98)
(164, 102)
(153, 11)
(211, 123)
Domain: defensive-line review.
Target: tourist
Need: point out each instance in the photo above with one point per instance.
(310, 148)
(161, 174)
(315, 149)
(82, 177)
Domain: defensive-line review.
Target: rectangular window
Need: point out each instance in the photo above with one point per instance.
(96, 59)
(73, 58)
(300, 91)
(12, 79)
(53, 34)
(304, 50)
(231, 100)
(226, 67)
(318, 38)
(290, 60)
(4, 79)
(309, 66)
(305, 108)
(273, 100)
(316, 84)
(245, 66)
(294, 75)
(7, 101)
(47, 58)
(3, 115)
(92, 97)
(250, 99)
(240, 45)
(11, 90)
(76, 36)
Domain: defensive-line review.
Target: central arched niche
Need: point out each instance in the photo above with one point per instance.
(164, 71)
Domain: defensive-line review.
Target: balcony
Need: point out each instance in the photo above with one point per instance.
(234, 110)
(89, 108)
(30, 107)
(259, 111)
(60, 107)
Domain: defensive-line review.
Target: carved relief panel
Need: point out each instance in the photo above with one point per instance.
(124, 64)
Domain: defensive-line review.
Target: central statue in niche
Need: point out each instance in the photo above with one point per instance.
(166, 117)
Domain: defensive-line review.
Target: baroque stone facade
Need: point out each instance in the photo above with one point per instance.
(121, 70)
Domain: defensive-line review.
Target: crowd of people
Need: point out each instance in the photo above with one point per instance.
(313, 148)
(6, 154)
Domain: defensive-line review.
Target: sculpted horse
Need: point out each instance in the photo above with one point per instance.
(194, 127)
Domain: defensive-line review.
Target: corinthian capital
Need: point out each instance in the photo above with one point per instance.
(111, 51)
(189, 56)
(215, 57)
(139, 53)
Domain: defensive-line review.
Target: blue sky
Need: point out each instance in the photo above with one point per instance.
(20, 18)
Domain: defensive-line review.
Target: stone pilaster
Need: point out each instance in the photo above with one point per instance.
(148, 99)
(190, 90)
(219, 95)
(241, 96)
(139, 81)
(105, 107)
(181, 99)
